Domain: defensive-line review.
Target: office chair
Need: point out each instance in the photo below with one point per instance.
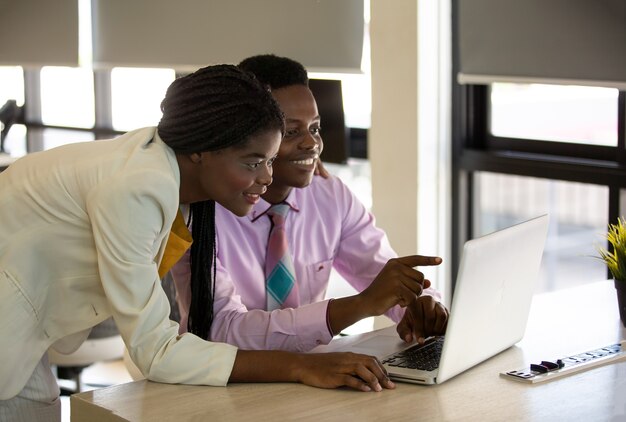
(104, 343)
(10, 113)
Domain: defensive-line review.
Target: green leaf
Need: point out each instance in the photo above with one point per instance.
(615, 260)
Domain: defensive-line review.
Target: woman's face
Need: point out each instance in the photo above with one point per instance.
(302, 143)
(236, 177)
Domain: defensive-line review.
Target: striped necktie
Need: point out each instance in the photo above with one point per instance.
(280, 277)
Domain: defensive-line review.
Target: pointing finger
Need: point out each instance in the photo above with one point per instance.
(419, 260)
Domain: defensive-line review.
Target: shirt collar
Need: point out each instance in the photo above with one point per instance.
(261, 207)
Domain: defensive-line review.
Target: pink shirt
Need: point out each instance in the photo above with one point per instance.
(327, 227)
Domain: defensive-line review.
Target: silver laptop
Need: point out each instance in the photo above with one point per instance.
(490, 306)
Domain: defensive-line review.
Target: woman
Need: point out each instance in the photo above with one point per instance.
(83, 228)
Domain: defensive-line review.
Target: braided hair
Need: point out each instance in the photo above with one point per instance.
(275, 71)
(215, 107)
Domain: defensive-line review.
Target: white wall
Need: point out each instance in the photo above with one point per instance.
(393, 148)
(409, 140)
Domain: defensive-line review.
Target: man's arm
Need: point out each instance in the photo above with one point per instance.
(397, 284)
(299, 329)
(362, 259)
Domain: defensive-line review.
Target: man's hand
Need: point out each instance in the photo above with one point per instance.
(398, 283)
(423, 318)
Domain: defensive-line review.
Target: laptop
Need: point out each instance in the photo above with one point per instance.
(494, 288)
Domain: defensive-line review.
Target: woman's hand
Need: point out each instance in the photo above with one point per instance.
(332, 370)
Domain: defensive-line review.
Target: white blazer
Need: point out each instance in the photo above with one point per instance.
(82, 229)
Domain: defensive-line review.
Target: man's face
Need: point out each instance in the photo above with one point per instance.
(302, 143)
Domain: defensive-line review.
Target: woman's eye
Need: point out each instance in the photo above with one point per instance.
(291, 132)
(253, 165)
(271, 161)
(316, 130)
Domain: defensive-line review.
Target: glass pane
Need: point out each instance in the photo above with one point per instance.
(67, 96)
(42, 139)
(578, 220)
(11, 84)
(11, 88)
(53, 138)
(15, 142)
(356, 91)
(136, 96)
(573, 114)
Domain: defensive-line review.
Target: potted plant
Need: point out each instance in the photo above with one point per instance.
(615, 260)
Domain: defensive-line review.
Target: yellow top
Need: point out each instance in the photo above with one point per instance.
(177, 244)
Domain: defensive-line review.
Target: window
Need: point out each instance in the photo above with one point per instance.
(67, 97)
(357, 97)
(11, 84)
(136, 96)
(15, 142)
(574, 114)
(539, 125)
(578, 215)
(511, 163)
(53, 137)
(12, 88)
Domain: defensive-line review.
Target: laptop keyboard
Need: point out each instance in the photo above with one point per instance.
(425, 357)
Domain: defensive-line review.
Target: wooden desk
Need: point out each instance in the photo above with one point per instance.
(561, 324)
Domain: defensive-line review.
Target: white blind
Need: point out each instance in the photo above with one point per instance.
(38, 32)
(580, 42)
(187, 34)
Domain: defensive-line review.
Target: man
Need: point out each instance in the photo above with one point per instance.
(326, 226)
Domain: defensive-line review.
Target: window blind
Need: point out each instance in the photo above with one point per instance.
(38, 32)
(187, 34)
(577, 42)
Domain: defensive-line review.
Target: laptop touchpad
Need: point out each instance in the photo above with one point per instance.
(379, 346)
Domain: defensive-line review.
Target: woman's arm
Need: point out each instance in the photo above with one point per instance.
(324, 370)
